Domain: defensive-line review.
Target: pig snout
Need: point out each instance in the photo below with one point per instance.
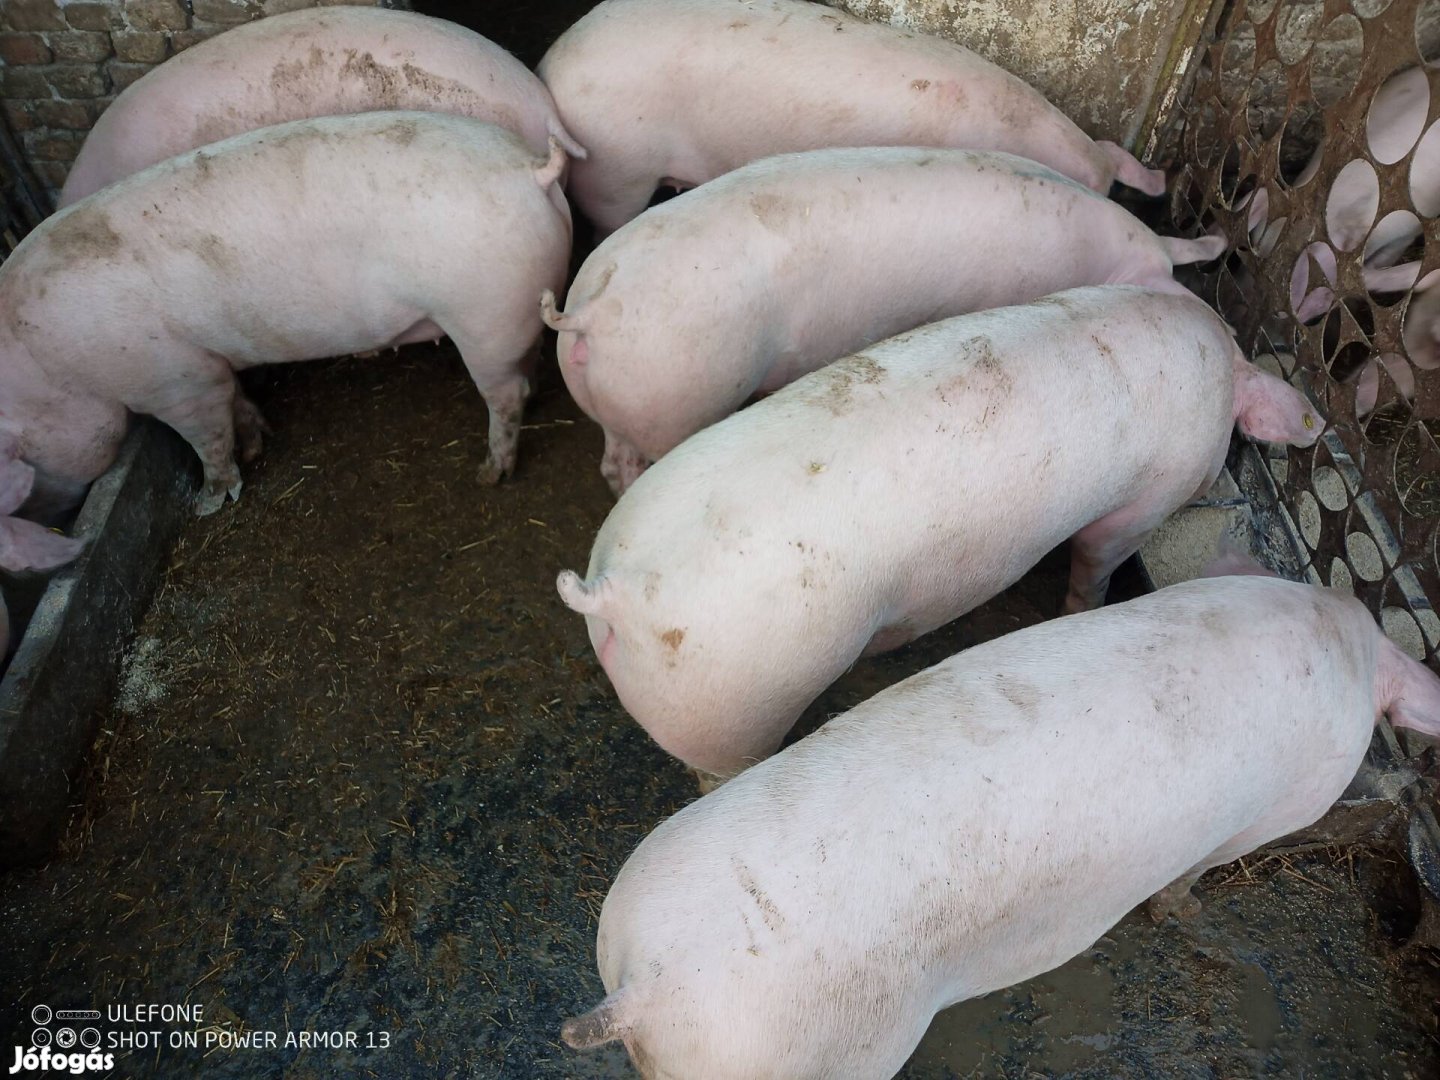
(1408, 692)
(608, 1021)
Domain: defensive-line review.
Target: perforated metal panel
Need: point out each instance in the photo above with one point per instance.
(1310, 138)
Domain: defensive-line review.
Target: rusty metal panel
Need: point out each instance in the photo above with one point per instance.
(1112, 65)
(1328, 187)
(21, 205)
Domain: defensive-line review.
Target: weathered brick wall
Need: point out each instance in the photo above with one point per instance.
(63, 61)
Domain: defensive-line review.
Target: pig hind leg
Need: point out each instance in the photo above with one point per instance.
(204, 416)
(499, 371)
(622, 464)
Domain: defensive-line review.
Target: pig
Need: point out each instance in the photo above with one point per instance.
(984, 821)
(318, 62)
(24, 545)
(756, 278)
(677, 92)
(1393, 126)
(888, 493)
(310, 239)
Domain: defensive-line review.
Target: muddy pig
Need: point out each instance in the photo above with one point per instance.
(677, 92)
(318, 62)
(24, 545)
(310, 239)
(880, 497)
(983, 822)
(751, 281)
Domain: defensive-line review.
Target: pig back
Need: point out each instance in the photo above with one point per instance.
(984, 821)
(301, 240)
(794, 261)
(317, 62)
(691, 90)
(909, 482)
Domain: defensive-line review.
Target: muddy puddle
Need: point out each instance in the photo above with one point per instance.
(365, 783)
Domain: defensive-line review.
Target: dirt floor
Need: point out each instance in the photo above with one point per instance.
(365, 775)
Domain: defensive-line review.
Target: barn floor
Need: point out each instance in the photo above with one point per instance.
(365, 775)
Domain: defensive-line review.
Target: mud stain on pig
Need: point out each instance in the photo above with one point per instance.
(605, 276)
(772, 211)
(772, 915)
(392, 86)
(402, 132)
(920, 85)
(1018, 692)
(214, 252)
(672, 638)
(288, 77)
(986, 372)
(833, 387)
(84, 233)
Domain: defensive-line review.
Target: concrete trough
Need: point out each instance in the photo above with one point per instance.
(66, 666)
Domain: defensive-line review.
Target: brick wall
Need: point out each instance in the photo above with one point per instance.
(63, 61)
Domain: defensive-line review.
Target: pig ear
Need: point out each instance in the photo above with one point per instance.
(1232, 559)
(16, 480)
(1272, 410)
(24, 545)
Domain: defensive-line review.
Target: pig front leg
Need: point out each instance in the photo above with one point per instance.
(1176, 898)
(622, 464)
(1097, 551)
(202, 409)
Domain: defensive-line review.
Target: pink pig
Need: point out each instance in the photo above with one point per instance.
(984, 821)
(319, 62)
(677, 92)
(24, 545)
(756, 278)
(880, 497)
(310, 239)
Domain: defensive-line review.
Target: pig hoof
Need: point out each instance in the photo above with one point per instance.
(1183, 904)
(492, 472)
(207, 502)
